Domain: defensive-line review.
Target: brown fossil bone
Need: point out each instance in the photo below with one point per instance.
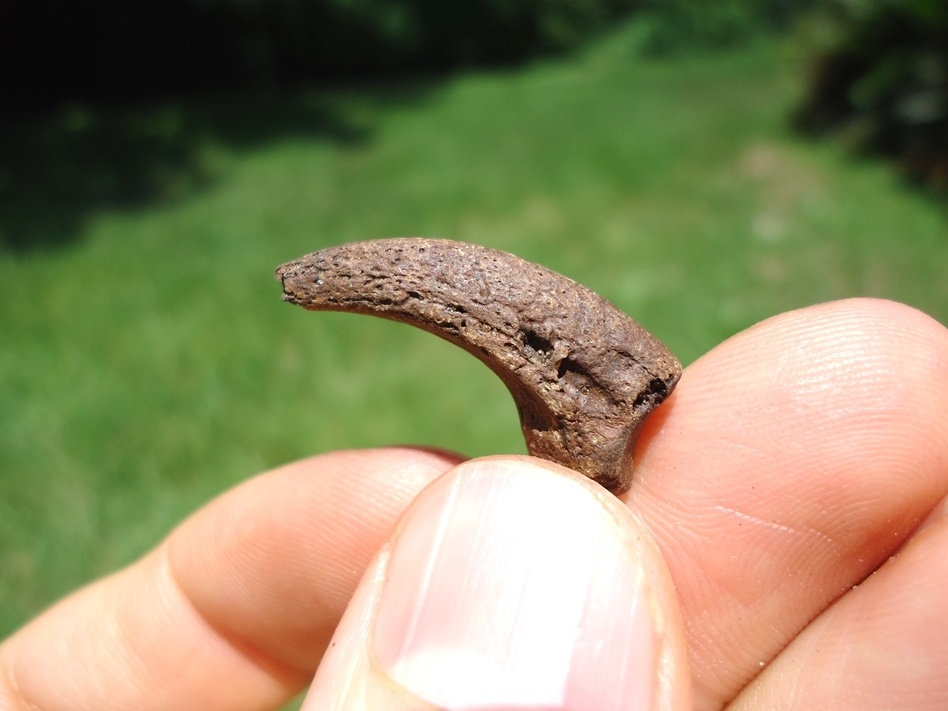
(583, 375)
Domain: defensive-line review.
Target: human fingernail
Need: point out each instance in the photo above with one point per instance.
(510, 586)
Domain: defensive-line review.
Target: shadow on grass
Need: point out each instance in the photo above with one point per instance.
(57, 171)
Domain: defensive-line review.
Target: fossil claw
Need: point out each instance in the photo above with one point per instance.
(583, 375)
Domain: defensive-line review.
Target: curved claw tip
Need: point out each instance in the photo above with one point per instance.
(583, 375)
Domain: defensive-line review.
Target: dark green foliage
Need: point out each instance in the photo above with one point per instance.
(57, 170)
(107, 49)
(71, 58)
(883, 83)
(687, 26)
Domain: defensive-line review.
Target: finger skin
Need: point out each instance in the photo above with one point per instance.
(235, 608)
(789, 464)
(518, 623)
(884, 645)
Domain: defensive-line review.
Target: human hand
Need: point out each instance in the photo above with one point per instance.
(772, 489)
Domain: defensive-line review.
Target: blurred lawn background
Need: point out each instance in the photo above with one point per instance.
(147, 362)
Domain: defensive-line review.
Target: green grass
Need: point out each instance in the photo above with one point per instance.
(147, 362)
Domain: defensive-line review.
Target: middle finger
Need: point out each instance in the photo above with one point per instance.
(791, 462)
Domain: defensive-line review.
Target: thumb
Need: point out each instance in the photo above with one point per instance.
(510, 583)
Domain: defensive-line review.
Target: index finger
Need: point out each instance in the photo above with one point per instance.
(235, 609)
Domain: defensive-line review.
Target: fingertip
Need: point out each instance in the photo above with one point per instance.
(868, 365)
(817, 435)
(404, 466)
(513, 581)
(274, 561)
